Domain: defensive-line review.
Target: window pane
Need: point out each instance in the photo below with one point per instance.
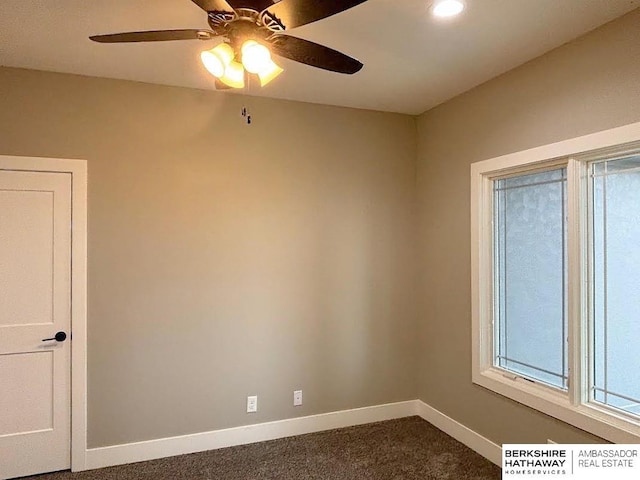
(615, 236)
(530, 276)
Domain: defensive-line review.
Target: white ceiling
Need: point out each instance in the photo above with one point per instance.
(412, 61)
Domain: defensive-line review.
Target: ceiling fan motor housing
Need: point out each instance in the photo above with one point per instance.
(245, 24)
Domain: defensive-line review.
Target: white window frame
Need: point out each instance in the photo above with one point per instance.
(572, 406)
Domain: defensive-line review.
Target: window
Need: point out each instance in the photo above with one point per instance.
(529, 264)
(614, 215)
(556, 280)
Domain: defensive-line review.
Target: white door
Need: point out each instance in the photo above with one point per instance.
(35, 303)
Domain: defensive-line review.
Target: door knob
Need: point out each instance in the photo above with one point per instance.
(60, 337)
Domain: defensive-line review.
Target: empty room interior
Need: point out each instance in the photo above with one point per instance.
(402, 236)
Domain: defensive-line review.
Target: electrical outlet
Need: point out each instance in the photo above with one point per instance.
(297, 398)
(252, 403)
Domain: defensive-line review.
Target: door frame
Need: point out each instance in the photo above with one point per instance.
(78, 171)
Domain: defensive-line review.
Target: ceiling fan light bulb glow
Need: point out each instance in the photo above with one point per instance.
(217, 59)
(448, 8)
(255, 57)
(212, 63)
(270, 72)
(233, 75)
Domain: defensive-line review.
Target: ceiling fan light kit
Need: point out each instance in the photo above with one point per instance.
(252, 31)
(221, 62)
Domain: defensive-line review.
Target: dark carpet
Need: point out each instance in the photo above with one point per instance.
(404, 449)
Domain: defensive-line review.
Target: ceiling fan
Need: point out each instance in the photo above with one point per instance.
(251, 30)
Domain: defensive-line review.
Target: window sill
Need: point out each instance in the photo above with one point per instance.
(550, 401)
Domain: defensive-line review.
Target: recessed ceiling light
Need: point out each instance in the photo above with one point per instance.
(447, 8)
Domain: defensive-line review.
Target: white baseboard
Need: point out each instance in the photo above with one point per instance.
(198, 442)
(465, 435)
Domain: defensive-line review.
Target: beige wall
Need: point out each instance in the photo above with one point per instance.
(588, 85)
(227, 259)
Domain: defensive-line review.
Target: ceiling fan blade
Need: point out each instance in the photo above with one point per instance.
(213, 5)
(154, 36)
(295, 13)
(313, 54)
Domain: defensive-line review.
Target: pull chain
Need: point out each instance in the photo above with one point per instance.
(245, 111)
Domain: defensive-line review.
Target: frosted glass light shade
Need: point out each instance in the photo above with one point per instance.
(233, 75)
(217, 59)
(255, 57)
(268, 73)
